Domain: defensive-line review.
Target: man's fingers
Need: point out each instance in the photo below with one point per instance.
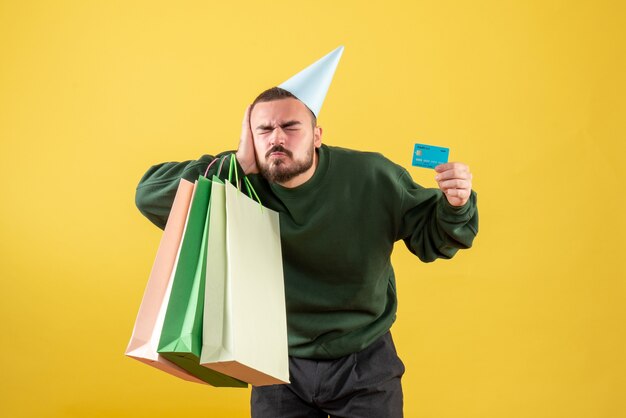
(454, 173)
(455, 184)
(451, 166)
(457, 197)
(246, 131)
(246, 118)
(245, 152)
(455, 180)
(456, 201)
(460, 193)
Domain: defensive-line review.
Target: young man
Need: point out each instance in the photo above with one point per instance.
(341, 211)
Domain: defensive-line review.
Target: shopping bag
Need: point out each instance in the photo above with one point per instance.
(147, 330)
(181, 336)
(245, 327)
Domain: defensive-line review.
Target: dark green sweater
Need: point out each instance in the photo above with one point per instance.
(337, 232)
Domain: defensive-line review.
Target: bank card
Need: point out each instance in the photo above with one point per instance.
(429, 156)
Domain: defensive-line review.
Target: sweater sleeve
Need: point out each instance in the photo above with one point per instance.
(430, 226)
(156, 190)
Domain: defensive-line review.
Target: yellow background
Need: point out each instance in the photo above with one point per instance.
(531, 94)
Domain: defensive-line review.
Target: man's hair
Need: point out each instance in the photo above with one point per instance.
(276, 93)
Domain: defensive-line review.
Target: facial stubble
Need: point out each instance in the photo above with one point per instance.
(278, 171)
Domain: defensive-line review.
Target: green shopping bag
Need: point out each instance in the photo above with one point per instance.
(181, 337)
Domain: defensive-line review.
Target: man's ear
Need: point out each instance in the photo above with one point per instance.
(317, 136)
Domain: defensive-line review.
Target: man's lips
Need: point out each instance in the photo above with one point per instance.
(278, 152)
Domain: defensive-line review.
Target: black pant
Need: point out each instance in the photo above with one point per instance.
(361, 385)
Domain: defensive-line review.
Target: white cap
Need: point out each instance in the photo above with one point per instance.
(311, 84)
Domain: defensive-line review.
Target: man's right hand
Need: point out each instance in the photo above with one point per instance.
(245, 154)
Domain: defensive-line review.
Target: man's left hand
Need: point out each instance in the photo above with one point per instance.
(455, 180)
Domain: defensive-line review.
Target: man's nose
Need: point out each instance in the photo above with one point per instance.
(277, 137)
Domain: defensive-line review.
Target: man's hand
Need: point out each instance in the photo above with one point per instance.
(455, 180)
(245, 153)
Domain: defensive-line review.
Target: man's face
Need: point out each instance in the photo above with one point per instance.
(284, 140)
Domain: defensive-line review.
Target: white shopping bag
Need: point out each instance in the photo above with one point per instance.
(245, 325)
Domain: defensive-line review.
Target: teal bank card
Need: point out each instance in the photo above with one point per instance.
(429, 156)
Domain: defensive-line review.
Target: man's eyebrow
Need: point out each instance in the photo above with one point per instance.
(267, 127)
(290, 123)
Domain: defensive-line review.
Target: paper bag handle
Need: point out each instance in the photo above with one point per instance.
(233, 167)
(209, 166)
